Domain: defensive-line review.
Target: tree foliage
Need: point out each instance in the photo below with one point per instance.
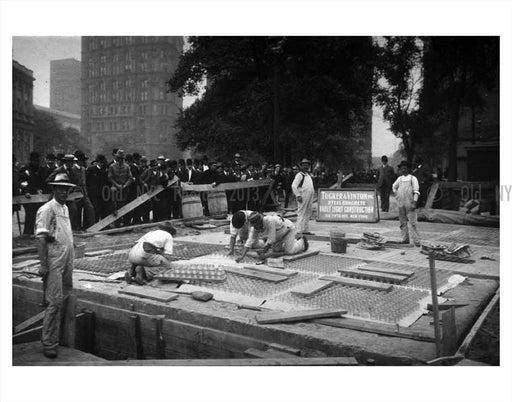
(51, 136)
(313, 92)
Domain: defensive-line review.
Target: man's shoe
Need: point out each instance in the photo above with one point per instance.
(127, 277)
(306, 243)
(50, 353)
(139, 275)
(308, 233)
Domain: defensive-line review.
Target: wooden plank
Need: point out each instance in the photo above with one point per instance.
(290, 258)
(374, 275)
(226, 186)
(293, 316)
(268, 354)
(275, 262)
(127, 208)
(359, 283)
(68, 329)
(285, 348)
(310, 288)
(148, 293)
(432, 195)
(275, 271)
(30, 335)
(135, 349)
(42, 198)
(158, 322)
(449, 339)
(376, 328)
(97, 253)
(392, 271)
(447, 305)
(256, 275)
(25, 264)
(30, 322)
(23, 250)
(293, 361)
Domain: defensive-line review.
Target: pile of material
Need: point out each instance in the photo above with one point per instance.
(371, 241)
(454, 252)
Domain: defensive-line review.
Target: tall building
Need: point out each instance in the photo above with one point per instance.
(22, 111)
(65, 76)
(125, 103)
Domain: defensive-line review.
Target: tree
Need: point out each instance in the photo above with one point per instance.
(51, 136)
(458, 72)
(283, 97)
(399, 86)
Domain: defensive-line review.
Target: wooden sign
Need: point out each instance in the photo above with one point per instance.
(347, 205)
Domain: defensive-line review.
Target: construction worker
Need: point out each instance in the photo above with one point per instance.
(149, 252)
(304, 191)
(273, 232)
(407, 192)
(56, 253)
(239, 227)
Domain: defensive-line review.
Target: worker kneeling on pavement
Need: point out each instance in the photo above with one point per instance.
(150, 251)
(273, 232)
(239, 227)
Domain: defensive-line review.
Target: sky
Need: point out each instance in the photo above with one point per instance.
(36, 52)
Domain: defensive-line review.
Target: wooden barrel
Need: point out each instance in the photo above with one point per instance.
(191, 206)
(217, 203)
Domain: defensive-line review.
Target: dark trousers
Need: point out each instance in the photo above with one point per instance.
(30, 217)
(82, 206)
(174, 203)
(385, 192)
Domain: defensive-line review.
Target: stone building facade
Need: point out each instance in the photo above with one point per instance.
(22, 111)
(65, 76)
(125, 103)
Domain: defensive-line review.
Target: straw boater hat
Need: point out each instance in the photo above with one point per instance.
(70, 158)
(304, 161)
(62, 179)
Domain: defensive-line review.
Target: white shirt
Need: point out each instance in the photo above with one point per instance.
(234, 231)
(159, 238)
(307, 185)
(52, 220)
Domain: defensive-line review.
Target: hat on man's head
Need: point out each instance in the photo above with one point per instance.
(404, 164)
(160, 158)
(80, 156)
(69, 158)
(60, 156)
(34, 156)
(384, 158)
(168, 227)
(51, 156)
(143, 158)
(62, 179)
(101, 158)
(305, 161)
(237, 155)
(255, 218)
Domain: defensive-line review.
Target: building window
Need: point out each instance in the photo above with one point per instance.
(144, 90)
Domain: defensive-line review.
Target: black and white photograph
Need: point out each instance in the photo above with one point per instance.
(300, 208)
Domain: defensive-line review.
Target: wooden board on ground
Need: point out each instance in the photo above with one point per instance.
(30, 322)
(25, 264)
(274, 271)
(310, 288)
(148, 293)
(97, 253)
(256, 275)
(204, 226)
(290, 258)
(374, 275)
(268, 354)
(359, 283)
(392, 271)
(275, 262)
(294, 316)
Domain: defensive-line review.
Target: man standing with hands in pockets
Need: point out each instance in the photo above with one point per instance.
(304, 191)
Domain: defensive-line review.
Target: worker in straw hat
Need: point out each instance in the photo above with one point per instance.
(304, 191)
(149, 252)
(56, 254)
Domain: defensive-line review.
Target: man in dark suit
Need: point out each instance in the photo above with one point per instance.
(189, 175)
(98, 187)
(32, 181)
(385, 178)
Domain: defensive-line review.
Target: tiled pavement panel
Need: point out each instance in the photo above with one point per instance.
(321, 264)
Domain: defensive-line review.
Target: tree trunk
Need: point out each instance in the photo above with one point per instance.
(453, 136)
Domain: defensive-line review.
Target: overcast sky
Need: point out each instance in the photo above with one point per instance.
(36, 52)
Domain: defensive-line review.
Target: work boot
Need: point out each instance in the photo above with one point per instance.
(50, 353)
(128, 278)
(306, 243)
(139, 275)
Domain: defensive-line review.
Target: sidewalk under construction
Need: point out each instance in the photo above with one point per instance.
(383, 296)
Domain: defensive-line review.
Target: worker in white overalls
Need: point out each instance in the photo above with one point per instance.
(150, 251)
(273, 232)
(304, 191)
(56, 253)
(407, 190)
(239, 227)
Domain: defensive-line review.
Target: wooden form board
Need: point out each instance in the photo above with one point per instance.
(310, 288)
(274, 271)
(25, 264)
(97, 253)
(374, 275)
(256, 275)
(42, 198)
(432, 194)
(225, 186)
(269, 353)
(359, 283)
(148, 293)
(392, 271)
(30, 322)
(290, 258)
(293, 316)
